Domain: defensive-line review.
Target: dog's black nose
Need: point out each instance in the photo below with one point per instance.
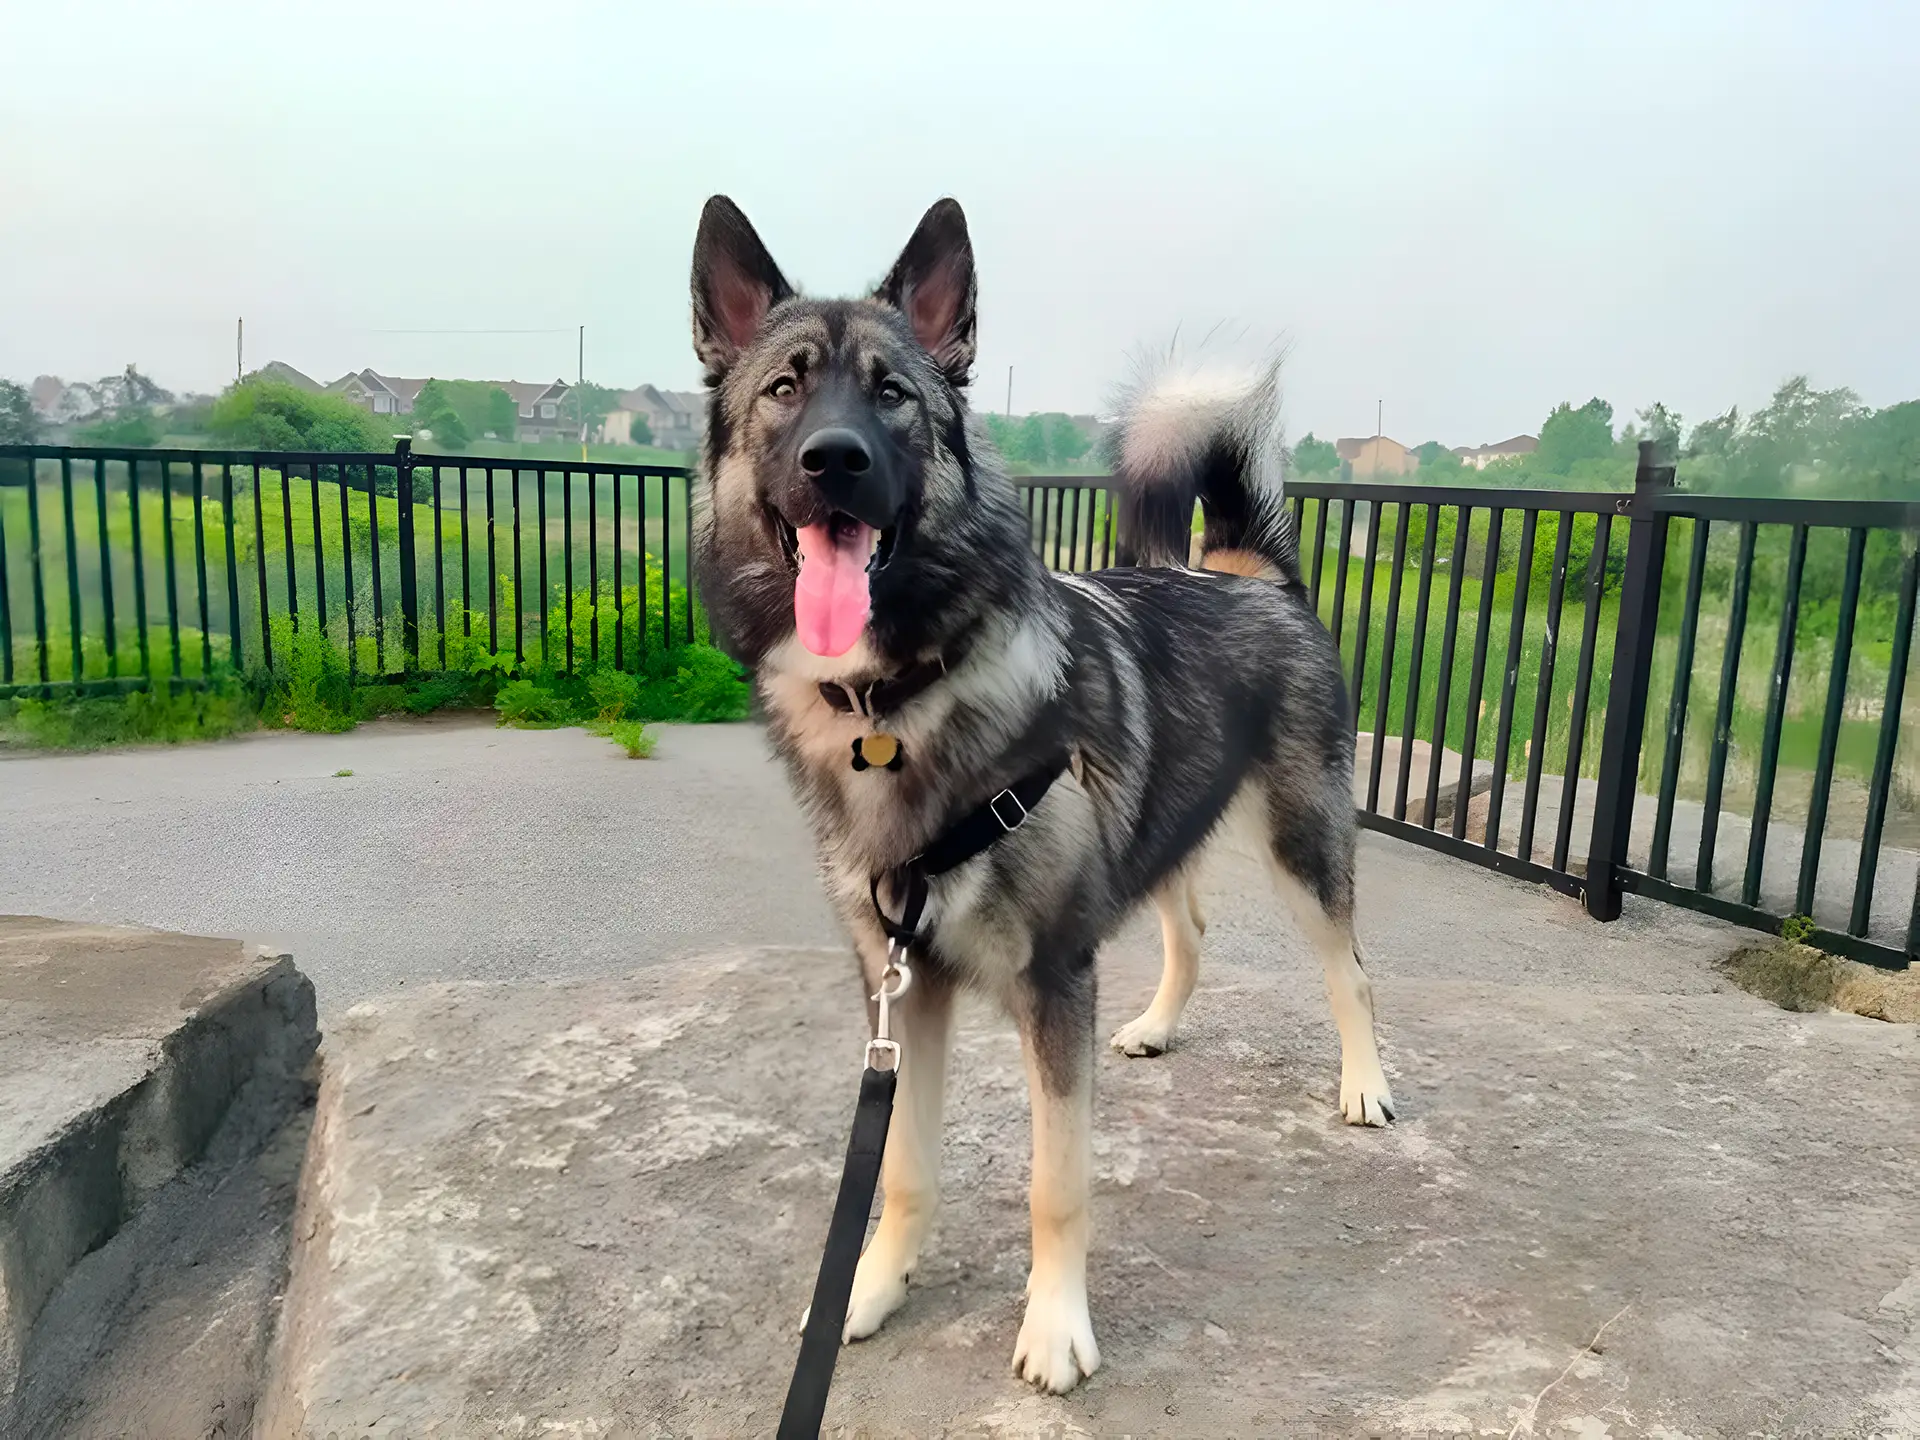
(835, 451)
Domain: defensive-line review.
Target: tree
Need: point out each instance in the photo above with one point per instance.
(261, 414)
(587, 406)
(639, 431)
(132, 428)
(1569, 436)
(1066, 442)
(1662, 426)
(1315, 457)
(1716, 436)
(433, 409)
(1800, 425)
(18, 424)
(1030, 441)
(499, 416)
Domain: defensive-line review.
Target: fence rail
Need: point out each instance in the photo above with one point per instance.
(1556, 685)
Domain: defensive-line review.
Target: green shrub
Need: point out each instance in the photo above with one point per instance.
(93, 722)
(614, 693)
(531, 705)
(631, 736)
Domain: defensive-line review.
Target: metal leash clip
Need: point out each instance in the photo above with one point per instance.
(883, 1045)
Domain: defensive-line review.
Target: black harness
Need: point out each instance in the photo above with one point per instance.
(971, 835)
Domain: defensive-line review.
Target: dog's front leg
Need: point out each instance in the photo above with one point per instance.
(910, 1170)
(1056, 1346)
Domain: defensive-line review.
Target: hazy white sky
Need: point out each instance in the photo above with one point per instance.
(1469, 211)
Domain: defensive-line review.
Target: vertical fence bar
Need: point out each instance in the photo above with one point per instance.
(6, 590)
(1830, 724)
(1913, 925)
(1386, 657)
(1776, 716)
(1319, 554)
(1543, 686)
(439, 570)
(619, 600)
(373, 570)
(320, 545)
(1723, 709)
(1364, 624)
(1340, 564)
(34, 569)
(493, 575)
(593, 569)
(234, 649)
(346, 567)
(666, 561)
(1677, 705)
(173, 579)
(75, 633)
(686, 520)
(566, 560)
(1428, 547)
(1890, 717)
(1510, 677)
(1627, 687)
(286, 525)
(1477, 674)
(1582, 686)
(466, 564)
(540, 609)
(407, 556)
(106, 569)
(1457, 565)
(200, 567)
(519, 591)
(1106, 541)
(259, 565)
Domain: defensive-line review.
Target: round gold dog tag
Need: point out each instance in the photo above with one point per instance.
(882, 751)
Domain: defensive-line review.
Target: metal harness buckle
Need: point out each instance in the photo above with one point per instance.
(1007, 826)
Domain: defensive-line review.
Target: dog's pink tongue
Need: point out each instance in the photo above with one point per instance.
(830, 601)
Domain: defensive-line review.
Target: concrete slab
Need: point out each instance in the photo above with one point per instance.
(122, 1052)
(596, 1209)
(1480, 777)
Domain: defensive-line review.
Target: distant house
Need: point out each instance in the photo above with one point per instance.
(58, 403)
(538, 405)
(1480, 456)
(1376, 455)
(285, 374)
(675, 417)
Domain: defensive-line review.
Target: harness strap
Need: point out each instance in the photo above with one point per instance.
(820, 1344)
(972, 834)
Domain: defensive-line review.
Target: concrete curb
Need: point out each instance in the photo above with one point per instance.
(232, 1055)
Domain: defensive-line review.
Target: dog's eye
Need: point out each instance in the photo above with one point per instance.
(782, 388)
(892, 392)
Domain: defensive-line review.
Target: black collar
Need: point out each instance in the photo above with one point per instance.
(972, 834)
(886, 695)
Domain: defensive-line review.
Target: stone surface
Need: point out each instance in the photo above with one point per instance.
(596, 1208)
(122, 1054)
(1480, 777)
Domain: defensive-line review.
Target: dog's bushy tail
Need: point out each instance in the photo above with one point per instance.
(1184, 436)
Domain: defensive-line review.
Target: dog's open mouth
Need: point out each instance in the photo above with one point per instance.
(834, 560)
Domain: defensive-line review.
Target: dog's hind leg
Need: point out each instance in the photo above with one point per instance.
(1181, 926)
(910, 1169)
(1056, 1346)
(1313, 868)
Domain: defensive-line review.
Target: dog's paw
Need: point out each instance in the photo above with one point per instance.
(1365, 1099)
(1056, 1349)
(878, 1290)
(1149, 1035)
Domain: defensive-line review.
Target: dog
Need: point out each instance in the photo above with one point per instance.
(861, 549)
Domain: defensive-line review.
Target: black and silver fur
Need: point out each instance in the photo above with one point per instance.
(1180, 693)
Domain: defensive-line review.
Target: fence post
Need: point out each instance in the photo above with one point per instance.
(409, 581)
(1627, 687)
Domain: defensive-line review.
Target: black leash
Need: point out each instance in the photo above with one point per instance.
(973, 834)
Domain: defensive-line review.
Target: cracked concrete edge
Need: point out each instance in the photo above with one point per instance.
(234, 1067)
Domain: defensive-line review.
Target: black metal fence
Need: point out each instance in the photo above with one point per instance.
(119, 568)
(1557, 685)
(1572, 699)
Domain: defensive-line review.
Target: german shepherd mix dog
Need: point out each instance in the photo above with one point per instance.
(862, 550)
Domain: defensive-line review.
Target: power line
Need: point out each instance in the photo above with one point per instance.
(559, 331)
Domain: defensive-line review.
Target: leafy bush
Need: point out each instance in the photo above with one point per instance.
(142, 717)
(631, 736)
(272, 415)
(532, 705)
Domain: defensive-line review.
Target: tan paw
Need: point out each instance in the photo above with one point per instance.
(1056, 1349)
(1149, 1035)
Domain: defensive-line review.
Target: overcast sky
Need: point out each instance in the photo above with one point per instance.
(1468, 212)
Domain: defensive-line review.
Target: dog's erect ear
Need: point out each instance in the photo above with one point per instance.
(932, 284)
(735, 283)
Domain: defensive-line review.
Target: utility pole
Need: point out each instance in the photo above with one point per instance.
(579, 394)
(1009, 392)
(239, 349)
(1379, 409)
